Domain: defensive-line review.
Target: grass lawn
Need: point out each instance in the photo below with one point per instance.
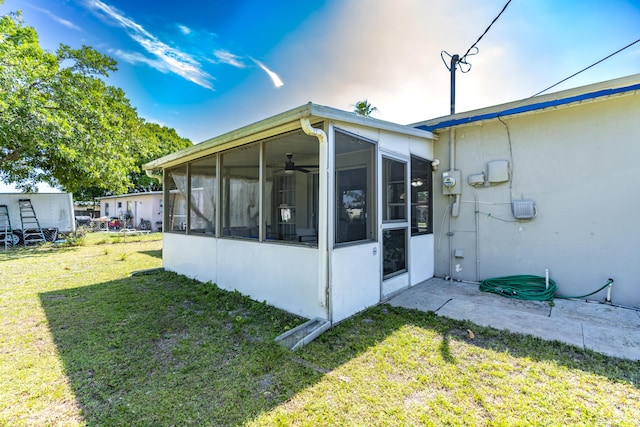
(82, 342)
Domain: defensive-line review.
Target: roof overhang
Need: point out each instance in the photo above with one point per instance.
(567, 98)
(283, 122)
(122, 196)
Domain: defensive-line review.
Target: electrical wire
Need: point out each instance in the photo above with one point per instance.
(511, 164)
(462, 58)
(492, 216)
(499, 115)
(586, 68)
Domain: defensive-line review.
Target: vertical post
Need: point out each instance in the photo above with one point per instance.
(452, 70)
(261, 200)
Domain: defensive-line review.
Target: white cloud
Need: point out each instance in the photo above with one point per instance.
(228, 58)
(184, 29)
(277, 82)
(138, 58)
(168, 58)
(58, 19)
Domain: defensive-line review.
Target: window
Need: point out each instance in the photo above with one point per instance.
(355, 206)
(106, 209)
(394, 197)
(202, 205)
(421, 196)
(290, 204)
(176, 189)
(231, 195)
(241, 192)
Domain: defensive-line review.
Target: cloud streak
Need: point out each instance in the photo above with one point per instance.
(168, 58)
(277, 82)
(229, 58)
(58, 19)
(138, 58)
(184, 29)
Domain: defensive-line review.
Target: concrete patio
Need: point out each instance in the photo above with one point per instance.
(607, 329)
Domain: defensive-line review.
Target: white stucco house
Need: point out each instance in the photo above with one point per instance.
(544, 183)
(324, 213)
(317, 211)
(141, 208)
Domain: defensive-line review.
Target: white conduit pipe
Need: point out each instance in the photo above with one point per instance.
(546, 278)
(322, 207)
(452, 205)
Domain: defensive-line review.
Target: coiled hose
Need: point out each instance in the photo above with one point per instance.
(527, 287)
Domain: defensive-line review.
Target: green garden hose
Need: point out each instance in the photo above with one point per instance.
(530, 288)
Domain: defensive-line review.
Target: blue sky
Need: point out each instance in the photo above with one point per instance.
(208, 67)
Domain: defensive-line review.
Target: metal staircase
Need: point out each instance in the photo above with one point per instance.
(31, 230)
(7, 238)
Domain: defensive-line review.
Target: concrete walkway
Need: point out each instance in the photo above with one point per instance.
(607, 329)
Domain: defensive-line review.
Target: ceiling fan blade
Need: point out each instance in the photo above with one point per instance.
(301, 169)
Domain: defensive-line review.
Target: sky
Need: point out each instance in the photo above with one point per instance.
(206, 68)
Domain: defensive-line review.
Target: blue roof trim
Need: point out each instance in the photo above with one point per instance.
(530, 107)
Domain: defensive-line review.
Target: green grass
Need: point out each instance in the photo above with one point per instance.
(84, 343)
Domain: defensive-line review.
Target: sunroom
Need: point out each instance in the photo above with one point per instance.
(317, 211)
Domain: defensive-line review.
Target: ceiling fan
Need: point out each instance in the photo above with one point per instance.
(290, 166)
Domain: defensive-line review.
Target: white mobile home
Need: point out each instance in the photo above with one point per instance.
(547, 183)
(317, 211)
(142, 210)
(51, 212)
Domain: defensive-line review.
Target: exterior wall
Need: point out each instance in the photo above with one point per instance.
(147, 206)
(287, 276)
(355, 279)
(356, 269)
(579, 165)
(421, 258)
(284, 276)
(54, 210)
(420, 247)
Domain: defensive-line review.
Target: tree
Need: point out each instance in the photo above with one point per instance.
(364, 108)
(60, 123)
(155, 141)
(159, 140)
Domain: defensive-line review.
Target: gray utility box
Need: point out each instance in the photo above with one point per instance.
(523, 209)
(451, 182)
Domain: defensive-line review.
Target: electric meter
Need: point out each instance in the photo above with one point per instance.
(451, 182)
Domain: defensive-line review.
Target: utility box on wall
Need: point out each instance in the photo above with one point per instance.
(451, 182)
(497, 171)
(523, 209)
(475, 180)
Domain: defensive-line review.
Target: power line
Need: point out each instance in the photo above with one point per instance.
(586, 68)
(485, 32)
(456, 60)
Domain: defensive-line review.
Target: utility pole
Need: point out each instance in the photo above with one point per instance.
(452, 69)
